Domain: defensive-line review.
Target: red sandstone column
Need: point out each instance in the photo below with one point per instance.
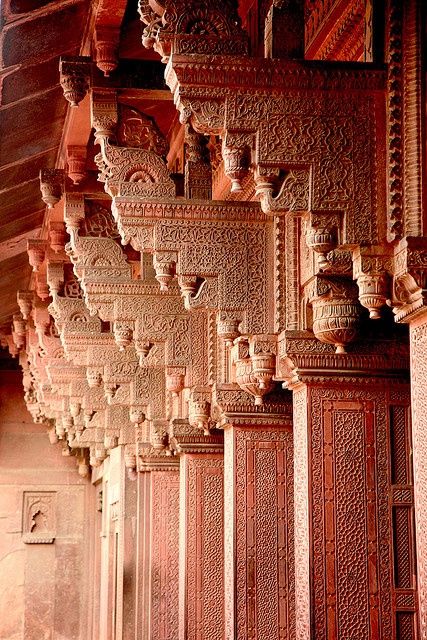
(418, 341)
(201, 597)
(354, 572)
(259, 566)
(158, 571)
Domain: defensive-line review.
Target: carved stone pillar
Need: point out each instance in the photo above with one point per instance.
(159, 536)
(354, 573)
(201, 602)
(258, 537)
(418, 342)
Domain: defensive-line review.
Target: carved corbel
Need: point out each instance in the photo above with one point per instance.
(55, 277)
(237, 160)
(123, 334)
(137, 415)
(228, 327)
(293, 196)
(74, 213)
(410, 278)
(164, 263)
(51, 185)
(76, 161)
(36, 250)
(199, 410)
(19, 332)
(94, 376)
(254, 360)
(175, 380)
(323, 232)
(57, 236)
(104, 114)
(106, 48)
(25, 301)
(371, 271)
(336, 311)
(75, 75)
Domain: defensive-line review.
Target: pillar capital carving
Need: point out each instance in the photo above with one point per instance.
(75, 76)
(303, 358)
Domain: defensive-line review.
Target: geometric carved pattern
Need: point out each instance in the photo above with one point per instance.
(202, 522)
(259, 532)
(418, 342)
(164, 554)
(344, 467)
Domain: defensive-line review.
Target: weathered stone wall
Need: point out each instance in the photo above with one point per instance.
(43, 585)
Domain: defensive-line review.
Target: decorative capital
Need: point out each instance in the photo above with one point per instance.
(51, 185)
(75, 76)
(106, 48)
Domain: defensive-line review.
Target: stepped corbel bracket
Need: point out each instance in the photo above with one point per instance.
(224, 252)
(336, 311)
(75, 78)
(254, 359)
(409, 279)
(294, 117)
(208, 27)
(372, 269)
(51, 185)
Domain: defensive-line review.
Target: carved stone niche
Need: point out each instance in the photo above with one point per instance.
(39, 517)
(336, 311)
(203, 27)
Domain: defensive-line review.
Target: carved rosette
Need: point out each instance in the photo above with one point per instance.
(336, 312)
